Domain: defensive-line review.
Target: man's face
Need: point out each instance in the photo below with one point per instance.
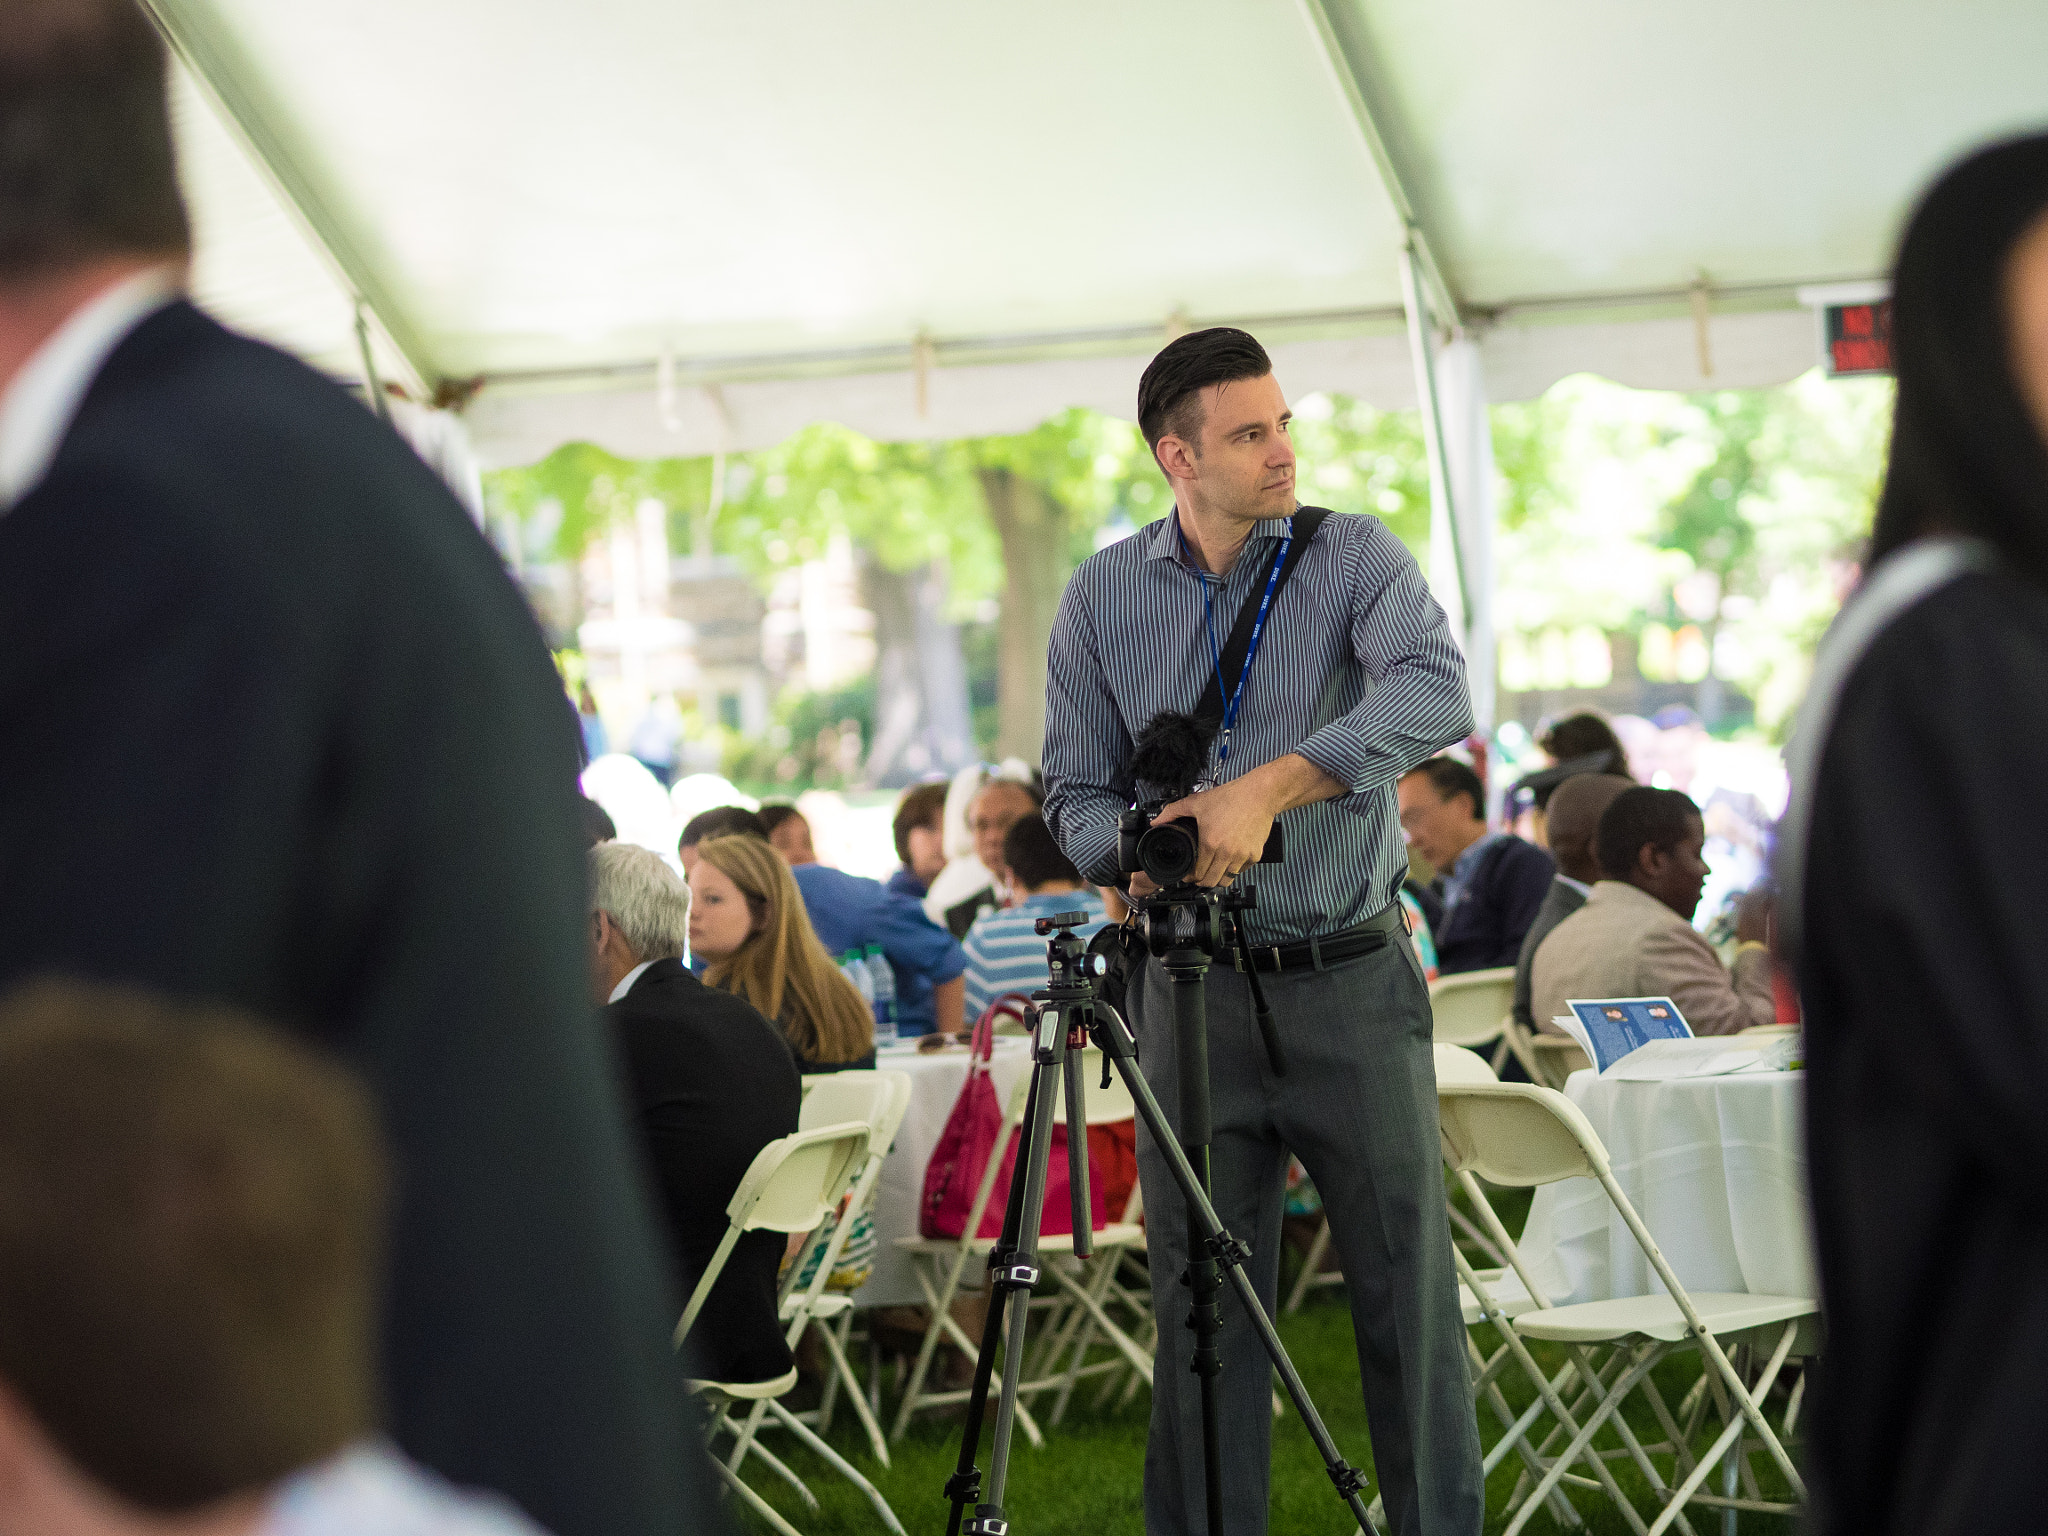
(1241, 463)
(927, 851)
(1440, 828)
(995, 810)
(792, 839)
(1676, 875)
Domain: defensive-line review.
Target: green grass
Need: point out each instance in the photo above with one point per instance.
(1089, 1475)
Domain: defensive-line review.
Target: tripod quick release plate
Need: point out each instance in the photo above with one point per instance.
(1059, 920)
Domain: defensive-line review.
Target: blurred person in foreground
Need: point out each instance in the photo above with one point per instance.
(192, 1214)
(1488, 884)
(919, 826)
(1356, 680)
(719, 821)
(711, 1082)
(747, 921)
(1911, 864)
(1004, 953)
(282, 733)
(1634, 936)
(1576, 806)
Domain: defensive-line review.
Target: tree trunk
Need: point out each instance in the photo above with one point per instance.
(922, 720)
(1034, 532)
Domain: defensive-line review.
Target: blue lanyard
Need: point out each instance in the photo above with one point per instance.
(1236, 695)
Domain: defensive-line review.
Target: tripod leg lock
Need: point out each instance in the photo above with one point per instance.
(988, 1521)
(1225, 1249)
(1013, 1275)
(1349, 1480)
(964, 1487)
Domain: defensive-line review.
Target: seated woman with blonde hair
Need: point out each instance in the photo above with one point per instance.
(747, 920)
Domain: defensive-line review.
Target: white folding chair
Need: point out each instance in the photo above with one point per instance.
(1521, 1135)
(790, 1186)
(942, 1262)
(1454, 1063)
(1467, 1008)
(836, 1098)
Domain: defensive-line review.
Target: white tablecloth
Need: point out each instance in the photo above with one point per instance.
(935, 1080)
(1715, 1166)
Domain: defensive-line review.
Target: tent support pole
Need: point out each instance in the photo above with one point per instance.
(1422, 347)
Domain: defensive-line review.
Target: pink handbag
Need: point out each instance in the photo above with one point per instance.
(954, 1174)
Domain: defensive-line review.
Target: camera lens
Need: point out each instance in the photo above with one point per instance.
(1167, 852)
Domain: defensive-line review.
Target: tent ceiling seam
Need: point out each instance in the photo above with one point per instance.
(201, 42)
(1338, 54)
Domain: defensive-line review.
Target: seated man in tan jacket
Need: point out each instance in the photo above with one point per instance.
(1634, 936)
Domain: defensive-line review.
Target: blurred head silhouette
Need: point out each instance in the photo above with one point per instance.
(1969, 450)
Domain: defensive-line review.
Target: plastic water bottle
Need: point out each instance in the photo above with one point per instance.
(882, 979)
(854, 966)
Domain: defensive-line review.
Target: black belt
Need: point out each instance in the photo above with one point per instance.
(1325, 950)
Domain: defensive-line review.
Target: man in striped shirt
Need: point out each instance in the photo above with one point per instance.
(1005, 953)
(1353, 680)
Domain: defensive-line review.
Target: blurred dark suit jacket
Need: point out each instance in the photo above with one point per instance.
(280, 732)
(1485, 929)
(712, 1082)
(1559, 903)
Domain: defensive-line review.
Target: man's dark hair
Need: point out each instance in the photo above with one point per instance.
(1032, 855)
(722, 821)
(597, 822)
(922, 806)
(1660, 818)
(1584, 735)
(1170, 392)
(191, 1233)
(86, 164)
(1448, 777)
(773, 816)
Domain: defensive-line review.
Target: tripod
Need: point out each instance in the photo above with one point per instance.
(1185, 925)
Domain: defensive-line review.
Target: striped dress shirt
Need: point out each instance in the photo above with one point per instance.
(1357, 672)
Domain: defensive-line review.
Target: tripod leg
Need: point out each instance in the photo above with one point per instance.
(1013, 1268)
(964, 1487)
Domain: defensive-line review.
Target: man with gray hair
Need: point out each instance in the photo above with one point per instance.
(710, 1082)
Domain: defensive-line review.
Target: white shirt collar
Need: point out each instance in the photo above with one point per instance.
(626, 981)
(36, 410)
(1578, 885)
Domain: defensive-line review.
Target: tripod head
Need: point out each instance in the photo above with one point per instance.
(1189, 916)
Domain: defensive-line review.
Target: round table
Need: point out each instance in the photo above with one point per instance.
(935, 1081)
(1716, 1168)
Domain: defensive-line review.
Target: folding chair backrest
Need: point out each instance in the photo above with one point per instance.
(1467, 1009)
(794, 1181)
(1517, 1134)
(1456, 1064)
(1100, 1106)
(833, 1098)
(790, 1185)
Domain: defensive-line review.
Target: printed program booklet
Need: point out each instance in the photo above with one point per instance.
(1607, 1029)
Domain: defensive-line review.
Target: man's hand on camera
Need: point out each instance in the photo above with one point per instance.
(1235, 818)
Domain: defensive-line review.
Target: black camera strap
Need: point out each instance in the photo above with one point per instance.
(1209, 709)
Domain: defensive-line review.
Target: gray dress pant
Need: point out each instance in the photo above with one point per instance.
(1358, 1107)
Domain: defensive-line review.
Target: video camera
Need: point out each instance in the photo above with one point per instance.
(1171, 754)
(1167, 852)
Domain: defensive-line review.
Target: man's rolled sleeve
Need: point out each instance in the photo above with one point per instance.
(1418, 703)
(1086, 744)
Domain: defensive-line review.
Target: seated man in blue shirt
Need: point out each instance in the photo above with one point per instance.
(1004, 953)
(850, 912)
(1489, 883)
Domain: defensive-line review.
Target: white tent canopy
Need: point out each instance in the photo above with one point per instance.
(680, 227)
